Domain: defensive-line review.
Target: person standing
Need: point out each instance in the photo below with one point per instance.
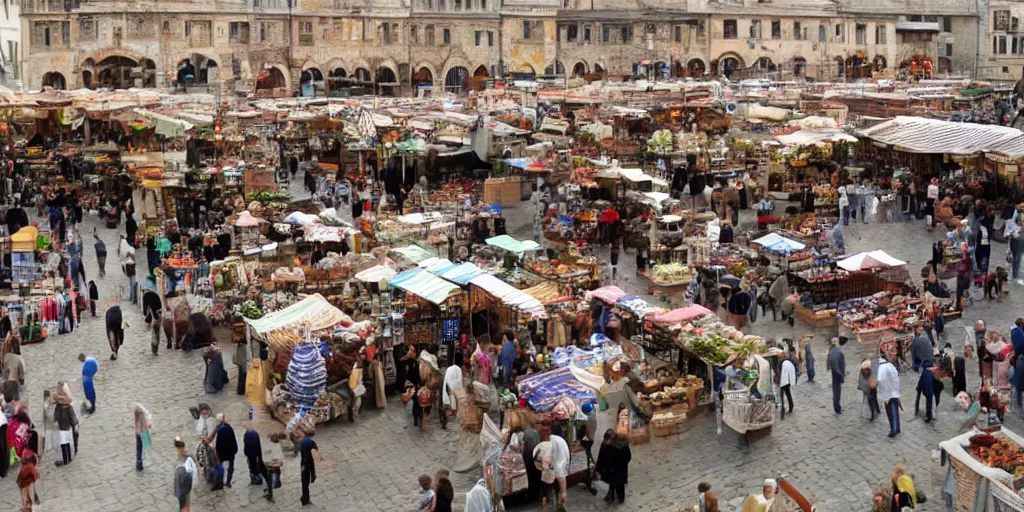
(143, 440)
(13, 368)
(185, 475)
(921, 349)
(1015, 247)
(444, 492)
(982, 248)
(809, 361)
(77, 270)
(309, 455)
(428, 498)
(67, 422)
(787, 379)
(226, 447)
(101, 253)
(241, 359)
(89, 369)
(622, 457)
(931, 197)
(27, 478)
(836, 364)
(115, 330)
(889, 392)
(253, 451)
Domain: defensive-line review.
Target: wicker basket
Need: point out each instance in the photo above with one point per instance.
(965, 486)
(1005, 499)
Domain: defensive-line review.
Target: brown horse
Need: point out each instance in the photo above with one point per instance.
(175, 319)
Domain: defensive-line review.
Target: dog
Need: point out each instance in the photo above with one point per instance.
(995, 283)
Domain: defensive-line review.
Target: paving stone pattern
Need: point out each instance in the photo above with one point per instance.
(372, 464)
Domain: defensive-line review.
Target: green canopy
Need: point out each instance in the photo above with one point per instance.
(512, 245)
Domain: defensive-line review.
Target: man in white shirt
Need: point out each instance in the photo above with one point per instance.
(787, 379)
(560, 463)
(889, 393)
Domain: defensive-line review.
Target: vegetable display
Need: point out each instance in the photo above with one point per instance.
(251, 311)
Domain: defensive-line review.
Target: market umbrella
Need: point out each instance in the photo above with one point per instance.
(731, 280)
(873, 259)
(609, 216)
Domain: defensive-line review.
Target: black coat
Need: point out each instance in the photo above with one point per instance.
(226, 444)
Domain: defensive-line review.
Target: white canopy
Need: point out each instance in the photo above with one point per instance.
(775, 242)
(376, 274)
(314, 310)
(873, 259)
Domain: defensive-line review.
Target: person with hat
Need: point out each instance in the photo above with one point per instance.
(67, 423)
(836, 364)
(185, 475)
(762, 502)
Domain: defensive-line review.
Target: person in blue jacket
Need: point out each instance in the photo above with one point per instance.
(89, 369)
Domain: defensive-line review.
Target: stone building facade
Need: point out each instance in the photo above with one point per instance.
(1002, 45)
(402, 46)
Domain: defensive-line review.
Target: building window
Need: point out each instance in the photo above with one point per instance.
(999, 45)
(776, 30)
(526, 29)
(949, 49)
(798, 31)
(1001, 20)
(87, 29)
(483, 5)
(947, 23)
(188, 29)
(446, 36)
(822, 34)
(755, 29)
(263, 32)
(305, 33)
(572, 33)
(861, 33)
(931, 19)
(477, 37)
(385, 33)
(678, 33)
(1014, 24)
(490, 39)
(166, 27)
(626, 34)
(606, 34)
(1013, 45)
(915, 18)
(239, 32)
(700, 29)
(586, 34)
(880, 31)
(413, 36)
(729, 30)
(428, 35)
(840, 33)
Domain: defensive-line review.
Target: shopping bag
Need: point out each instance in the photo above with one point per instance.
(147, 440)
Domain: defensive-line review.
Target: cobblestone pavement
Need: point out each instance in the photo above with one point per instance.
(372, 464)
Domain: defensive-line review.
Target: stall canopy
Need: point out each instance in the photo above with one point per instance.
(314, 311)
(376, 274)
(777, 243)
(677, 316)
(920, 135)
(461, 274)
(873, 259)
(25, 239)
(424, 284)
(608, 294)
(508, 294)
(512, 245)
(246, 220)
(414, 253)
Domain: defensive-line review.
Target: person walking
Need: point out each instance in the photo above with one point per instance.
(94, 297)
(143, 439)
(444, 492)
(101, 253)
(1015, 246)
(241, 359)
(27, 478)
(836, 364)
(926, 387)
(622, 457)
(129, 271)
(115, 330)
(89, 369)
(76, 269)
(1018, 379)
(889, 392)
(787, 379)
(253, 451)
(226, 446)
(153, 310)
(868, 384)
(309, 455)
(185, 475)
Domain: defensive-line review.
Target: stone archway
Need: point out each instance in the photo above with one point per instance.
(455, 79)
(272, 78)
(55, 80)
(555, 68)
(197, 69)
(799, 66)
(385, 81)
(481, 72)
(579, 70)
(115, 72)
(309, 80)
(879, 63)
(696, 68)
(726, 64)
(362, 75)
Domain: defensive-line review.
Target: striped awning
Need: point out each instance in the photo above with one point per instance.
(920, 135)
(424, 284)
(461, 274)
(313, 311)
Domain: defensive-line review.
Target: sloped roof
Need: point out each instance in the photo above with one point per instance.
(920, 135)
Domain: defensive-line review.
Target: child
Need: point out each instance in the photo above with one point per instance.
(425, 399)
(428, 498)
(27, 478)
(94, 295)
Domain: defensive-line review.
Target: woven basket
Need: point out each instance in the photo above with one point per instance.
(965, 486)
(1005, 499)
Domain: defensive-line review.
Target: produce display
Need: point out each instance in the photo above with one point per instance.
(998, 451)
(251, 311)
(716, 342)
(878, 311)
(671, 274)
(266, 195)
